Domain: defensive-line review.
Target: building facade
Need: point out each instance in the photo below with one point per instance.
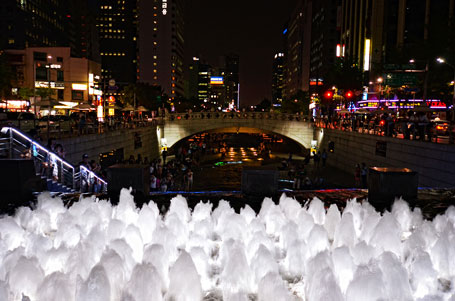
(161, 45)
(117, 27)
(295, 52)
(71, 80)
(325, 36)
(231, 79)
(278, 79)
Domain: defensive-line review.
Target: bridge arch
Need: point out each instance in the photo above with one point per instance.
(179, 126)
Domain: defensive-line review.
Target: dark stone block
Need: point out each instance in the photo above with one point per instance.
(18, 180)
(259, 182)
(386, 183)
(125, 176)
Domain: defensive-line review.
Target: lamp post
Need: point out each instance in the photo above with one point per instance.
(443, 61)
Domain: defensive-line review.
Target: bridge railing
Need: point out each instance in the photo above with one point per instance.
(236, 115)
(15, 144)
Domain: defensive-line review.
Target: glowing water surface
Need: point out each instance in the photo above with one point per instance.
(96, 251)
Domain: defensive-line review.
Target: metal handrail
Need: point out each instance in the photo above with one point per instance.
(90, 182)
(66, 173)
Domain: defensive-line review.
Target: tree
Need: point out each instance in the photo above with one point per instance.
(264, 105)
(143, 94)
(345, 75)
(5, 76)
(44, 93)
(25, 93)
(299, 102)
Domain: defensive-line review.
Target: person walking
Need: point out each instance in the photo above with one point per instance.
(317, 158)
(357, 173)
(189, 180)
(364, 173)
(324, 156)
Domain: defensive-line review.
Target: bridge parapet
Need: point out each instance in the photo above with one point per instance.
(235, 115)
(178, 126)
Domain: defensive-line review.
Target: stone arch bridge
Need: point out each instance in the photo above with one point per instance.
(179, 126)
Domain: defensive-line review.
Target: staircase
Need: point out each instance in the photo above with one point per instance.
(58, 175)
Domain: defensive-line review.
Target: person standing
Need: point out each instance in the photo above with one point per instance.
(164, 154)
(324, 157)
(364, 173)
(357, 173)
(189, 178)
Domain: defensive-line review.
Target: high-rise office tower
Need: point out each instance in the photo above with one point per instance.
(85, 36)
(278, 79)
(31, 24)
(161, 44)
(231, 78)
(295, 49)
(325, 37)
(387, 32)
(117, 27)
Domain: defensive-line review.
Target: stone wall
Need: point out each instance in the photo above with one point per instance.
(435, 163)
(95, 144)
(300, 131)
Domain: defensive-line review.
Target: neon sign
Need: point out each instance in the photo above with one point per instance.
(216, 80)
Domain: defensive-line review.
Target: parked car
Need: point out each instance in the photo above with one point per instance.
(442, 128)
(57, 123)
(24, 121)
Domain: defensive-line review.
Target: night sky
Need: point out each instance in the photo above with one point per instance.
(250, 28)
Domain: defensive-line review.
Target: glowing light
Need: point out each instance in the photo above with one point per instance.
(338, 50)
(366, 55)
(79, 87)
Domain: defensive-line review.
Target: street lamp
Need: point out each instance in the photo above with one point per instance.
(443, 61)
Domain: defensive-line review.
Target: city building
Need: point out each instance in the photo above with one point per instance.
(203, 82)
(231, 80)
(296, 52)
(278, 79)
(325, 36)
(217, 90)
(29, 24)
(50, 24)
(384, 37)
(72, 80)
(161, 45)
(83, 26)
(117, 27)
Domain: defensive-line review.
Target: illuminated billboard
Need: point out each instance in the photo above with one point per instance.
(216, 80)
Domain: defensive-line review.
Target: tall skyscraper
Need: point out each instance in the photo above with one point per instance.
(85, 37)
(30, 24)
(161, 44)
(117, 26)
(231, 78)
(390, 32)
(325, 35)
(278, 79)
(296, 65)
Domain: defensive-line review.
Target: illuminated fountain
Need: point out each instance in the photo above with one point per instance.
(95, 251)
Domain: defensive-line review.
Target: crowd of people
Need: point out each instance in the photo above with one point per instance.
(410, 124)
(303, 175)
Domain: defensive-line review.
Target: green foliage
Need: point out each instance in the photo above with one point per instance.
(299, 102)
(345, 75)
(264, 105)
(25, 93)
(145, 94)
(44, 93)
(5, 76)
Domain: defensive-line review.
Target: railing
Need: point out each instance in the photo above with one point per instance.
(67, 128)
(236, 115)
(16, 144)
(400, 130)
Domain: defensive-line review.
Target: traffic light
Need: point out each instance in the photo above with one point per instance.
(331, 146)
(349, 95)
(328, 94)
